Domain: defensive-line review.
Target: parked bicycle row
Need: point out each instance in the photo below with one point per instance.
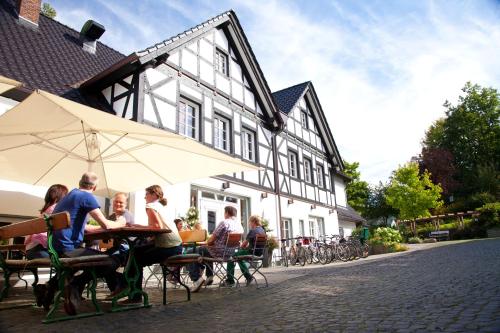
(325, 249)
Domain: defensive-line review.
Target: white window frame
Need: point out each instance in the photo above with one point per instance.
(222, 133)
(308, 170)
(221, 62)
(249, 145)
(293, 160)
(320, 170)
(188, 116)
(312, 227)
(302, 228)
(303, 119)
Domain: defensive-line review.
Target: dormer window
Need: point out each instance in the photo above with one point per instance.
(221, 62)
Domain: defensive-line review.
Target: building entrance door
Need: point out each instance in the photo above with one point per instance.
(212, 208)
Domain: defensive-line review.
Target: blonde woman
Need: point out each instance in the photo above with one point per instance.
(256, 228)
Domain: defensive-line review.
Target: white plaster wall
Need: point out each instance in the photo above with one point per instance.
(206, 50)
(340, 192)
(300, 210)
(168, 91)
(206, 72)
(190, 91)
(348, 227)
(190, 62)
(167, 114)
(154, 76)
(222, 83)
(221, 40)
(6, 104)
(174, 58)
(249, 99)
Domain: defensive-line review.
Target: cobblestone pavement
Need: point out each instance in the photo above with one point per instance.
(447, 287)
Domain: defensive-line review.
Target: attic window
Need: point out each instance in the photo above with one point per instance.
(303, 119)
(221, 62)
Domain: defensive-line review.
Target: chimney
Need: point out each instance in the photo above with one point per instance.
(90, 33)
(29, 12)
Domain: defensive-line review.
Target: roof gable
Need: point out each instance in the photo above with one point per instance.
(227, 21)
(288, 98)
(49, 58)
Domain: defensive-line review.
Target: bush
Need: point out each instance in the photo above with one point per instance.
(414, 240)
(386, 240)
(387, 236)
(490, 215)
(430, 240)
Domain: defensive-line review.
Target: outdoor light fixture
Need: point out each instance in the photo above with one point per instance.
(225, 185)
(330, 211)
(263, 195)
(290, 201)
(313, 206)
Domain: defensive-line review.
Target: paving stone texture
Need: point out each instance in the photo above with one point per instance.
(443, 287)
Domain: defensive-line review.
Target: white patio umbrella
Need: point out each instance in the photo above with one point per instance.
(47, 139)
(7, 84)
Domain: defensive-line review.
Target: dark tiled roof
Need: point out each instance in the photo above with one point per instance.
(349, 214)
(288, 97)
(49, 58)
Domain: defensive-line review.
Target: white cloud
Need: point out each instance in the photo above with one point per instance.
(381, 72)
(381, 83)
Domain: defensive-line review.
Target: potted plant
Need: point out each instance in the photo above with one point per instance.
(272, 244)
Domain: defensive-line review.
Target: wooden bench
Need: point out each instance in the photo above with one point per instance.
(172, 265)
(440, 235)
(64, 267)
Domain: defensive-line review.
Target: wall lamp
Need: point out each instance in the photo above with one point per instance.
(225, 185)
(313, 206)
(263, 195)
(290, 201)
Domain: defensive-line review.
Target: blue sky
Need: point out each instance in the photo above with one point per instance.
(382, 69)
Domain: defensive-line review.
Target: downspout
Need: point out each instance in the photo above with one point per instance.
(276, 183)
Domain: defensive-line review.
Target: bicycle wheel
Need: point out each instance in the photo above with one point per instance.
(343, 253)
(309, 255)
(366, 250)
(284, 257)
(323, 255)
(301, 256)
(293, 256)
(330, 254)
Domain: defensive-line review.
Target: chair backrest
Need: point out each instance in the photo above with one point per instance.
(193, 236)
(259, 245)
(232, 244)
(35, 226)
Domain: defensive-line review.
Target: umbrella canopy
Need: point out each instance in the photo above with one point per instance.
(7, 84)
(47, 139)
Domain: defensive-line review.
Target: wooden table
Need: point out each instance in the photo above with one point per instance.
(132, 235)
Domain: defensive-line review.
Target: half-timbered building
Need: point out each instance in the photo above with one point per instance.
(206, 84)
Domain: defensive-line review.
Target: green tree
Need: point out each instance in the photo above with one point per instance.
(357, 190)
(377, 206)
(411, 193)
(48, 10)
(470, 132)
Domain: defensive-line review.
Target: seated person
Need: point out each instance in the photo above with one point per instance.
(179, 223)
(246, 248)
(80, 203)
(215, 248)
(36, 244)
(164, 245)
(122, 215)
